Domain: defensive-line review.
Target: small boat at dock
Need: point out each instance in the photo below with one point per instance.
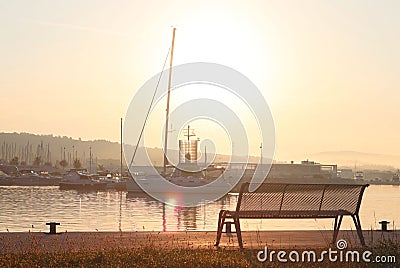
(79, 181)
(113, 181)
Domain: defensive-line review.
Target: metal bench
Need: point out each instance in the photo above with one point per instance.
(296, 201)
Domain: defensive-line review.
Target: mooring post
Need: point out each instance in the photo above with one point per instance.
(53, 227)
(384, 225)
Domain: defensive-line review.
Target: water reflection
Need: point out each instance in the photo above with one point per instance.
(23, 207)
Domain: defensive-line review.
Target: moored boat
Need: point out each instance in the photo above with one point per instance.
(113, 182)
(80, 181)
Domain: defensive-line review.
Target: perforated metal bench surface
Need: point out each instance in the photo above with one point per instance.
(296, 201)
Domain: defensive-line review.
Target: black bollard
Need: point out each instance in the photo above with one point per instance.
(228, 227)
(384, 225)
(53, 227)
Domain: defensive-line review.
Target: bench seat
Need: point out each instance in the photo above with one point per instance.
(296, 201)
(290, 214)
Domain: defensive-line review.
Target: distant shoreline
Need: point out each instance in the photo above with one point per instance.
(12, 181)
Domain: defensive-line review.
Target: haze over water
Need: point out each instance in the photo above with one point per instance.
(326, 68)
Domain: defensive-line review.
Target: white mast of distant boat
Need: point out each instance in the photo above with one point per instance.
(168, 98)
(121, 151)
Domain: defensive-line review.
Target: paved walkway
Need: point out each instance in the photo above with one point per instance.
(23, 242)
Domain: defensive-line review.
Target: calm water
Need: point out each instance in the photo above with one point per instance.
(22, 207)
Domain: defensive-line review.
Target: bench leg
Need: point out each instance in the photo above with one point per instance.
(238, 232)
(357, 223)
(336, 227)
(221, 220)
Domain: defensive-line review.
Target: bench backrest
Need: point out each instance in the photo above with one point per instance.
(301, 197)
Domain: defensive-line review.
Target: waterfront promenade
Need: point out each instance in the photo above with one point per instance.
(68, 241)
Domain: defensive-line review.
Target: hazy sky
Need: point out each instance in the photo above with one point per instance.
(328, 69)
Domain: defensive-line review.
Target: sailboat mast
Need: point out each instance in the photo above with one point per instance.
(168, 97)
(121, 151)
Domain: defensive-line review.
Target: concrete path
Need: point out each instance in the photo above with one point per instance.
(36, 241)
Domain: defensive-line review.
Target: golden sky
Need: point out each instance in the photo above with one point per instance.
(328, 69)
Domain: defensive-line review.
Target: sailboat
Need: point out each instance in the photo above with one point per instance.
(179, 176)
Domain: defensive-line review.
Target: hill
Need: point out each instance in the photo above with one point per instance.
(51, 149)
(359, 159)
(27, 146)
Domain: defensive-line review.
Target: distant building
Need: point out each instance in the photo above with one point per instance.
(346, 173)
(307, 169)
